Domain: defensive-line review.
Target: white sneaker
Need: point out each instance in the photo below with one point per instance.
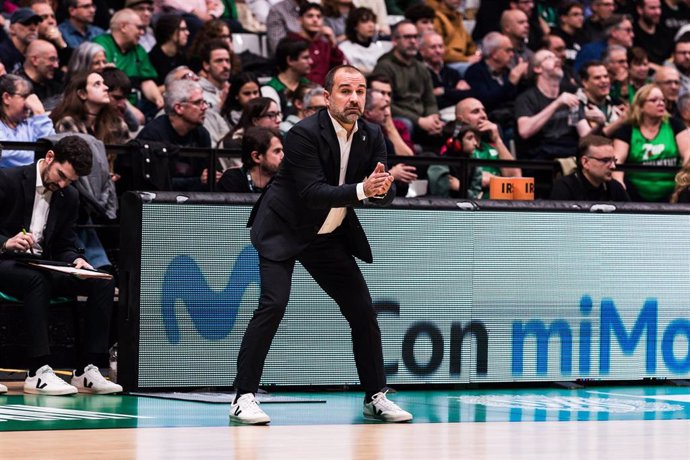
(92, 381)
(3, 388)
(45, 382)
(247, 410)
(382, 408)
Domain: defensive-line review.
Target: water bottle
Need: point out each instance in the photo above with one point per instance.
(113, 363)
(573, 115)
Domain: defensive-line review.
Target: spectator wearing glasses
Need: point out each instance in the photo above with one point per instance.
(615, 59)
(571, 19)
(182, 125)
(172, 35)
(593, 179)
(570, 81)
(86, 57)
(144, 8)
(79, 28)
(41, 68)
(650, 137)
(122, 48)
(22, 118)
(619, 32)
(261, 111)
(668, 79)
(262, 152)
(681, 61)
(48, 29)
(23, 30)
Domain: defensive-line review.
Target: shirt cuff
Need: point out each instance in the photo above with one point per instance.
(360, 191)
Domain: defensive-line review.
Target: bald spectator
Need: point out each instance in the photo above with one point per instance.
(79, 28)
(122, 47)
(650, 33)
(515, 26)
(494, 81)
(594, 28)
(48, 29)
(471, 112)
(40, 69)
(619, 31)
(23, 30)
(681, 61)
(571, 19)
(668, 80)
(22, 119)
(458, 43)
(413, 91)
(449, 87)
(536, 33)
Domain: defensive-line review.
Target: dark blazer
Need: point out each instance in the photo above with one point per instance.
(289, 214)
(17, 192)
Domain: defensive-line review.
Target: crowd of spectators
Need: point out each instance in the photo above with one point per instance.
(523, 79)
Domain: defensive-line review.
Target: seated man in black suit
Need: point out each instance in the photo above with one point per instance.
(333, 161)
(593, 180)
(38, 211)
(262, 152)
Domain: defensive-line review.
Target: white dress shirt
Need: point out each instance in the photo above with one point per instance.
(39, 215)
(336, 215)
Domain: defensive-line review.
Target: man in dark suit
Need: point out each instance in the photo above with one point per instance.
(332, 161)
(38, 212)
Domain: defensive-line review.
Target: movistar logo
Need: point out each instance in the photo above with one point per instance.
(213, 313)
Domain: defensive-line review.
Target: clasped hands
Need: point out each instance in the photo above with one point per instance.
(378, 182)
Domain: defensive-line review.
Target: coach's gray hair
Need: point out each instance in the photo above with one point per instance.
(177, 92)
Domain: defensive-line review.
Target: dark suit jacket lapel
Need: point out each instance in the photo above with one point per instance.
(332, 157)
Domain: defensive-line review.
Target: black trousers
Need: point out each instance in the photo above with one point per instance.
(36, 287)
(332, 266)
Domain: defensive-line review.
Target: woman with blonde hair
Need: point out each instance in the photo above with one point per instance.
(650, 137)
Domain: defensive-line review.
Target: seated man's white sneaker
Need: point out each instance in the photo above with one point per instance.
(45, 382)
(382, 408)
(92, 381)
(3, 388)
(247, 410)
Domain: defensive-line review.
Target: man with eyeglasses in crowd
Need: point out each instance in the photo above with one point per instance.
(22, 119)
(182, 125)
(144, 8)
(668, 80)
(681, 61)
(593, 179)
(79, 28)
(23, 30)
(41, 69)
(122, 48)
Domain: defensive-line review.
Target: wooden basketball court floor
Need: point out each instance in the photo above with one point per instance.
(628, 422)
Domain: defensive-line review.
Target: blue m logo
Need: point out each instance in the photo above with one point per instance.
(213, 313)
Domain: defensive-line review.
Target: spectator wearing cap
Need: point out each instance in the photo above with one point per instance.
(23, 30)
(144, 8)
(122, 48)
(79, 28)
